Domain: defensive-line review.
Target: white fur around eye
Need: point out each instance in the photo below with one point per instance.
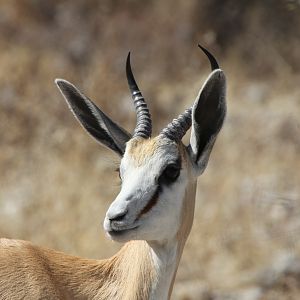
(152, 214)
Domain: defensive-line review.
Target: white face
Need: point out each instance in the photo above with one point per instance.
(154, 179)
(154, 172)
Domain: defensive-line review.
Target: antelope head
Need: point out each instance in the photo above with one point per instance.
(158, 174)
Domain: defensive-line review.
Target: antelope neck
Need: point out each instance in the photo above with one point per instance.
(166, 257)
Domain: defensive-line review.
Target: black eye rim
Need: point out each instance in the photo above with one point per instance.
(170, 173)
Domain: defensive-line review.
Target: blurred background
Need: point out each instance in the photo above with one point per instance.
(56, 182)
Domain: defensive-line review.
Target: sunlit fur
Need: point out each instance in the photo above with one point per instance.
(31, 272)
(152, 214)
(141, 269)
(167, 225)
(143, 162)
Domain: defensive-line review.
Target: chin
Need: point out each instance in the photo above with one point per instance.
(123, 236)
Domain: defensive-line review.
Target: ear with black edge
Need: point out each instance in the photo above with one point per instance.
(93, 120)
(208, 115)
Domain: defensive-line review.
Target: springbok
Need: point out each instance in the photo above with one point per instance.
(152, 214)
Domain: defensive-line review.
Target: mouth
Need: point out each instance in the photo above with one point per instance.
(120, 232)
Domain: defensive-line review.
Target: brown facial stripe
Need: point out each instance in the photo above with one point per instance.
(150, 204)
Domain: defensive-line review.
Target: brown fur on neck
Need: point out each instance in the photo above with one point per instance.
(128, 275)
(31, 272)
(133, 266)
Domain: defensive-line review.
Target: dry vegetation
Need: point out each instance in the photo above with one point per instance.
(56, 183)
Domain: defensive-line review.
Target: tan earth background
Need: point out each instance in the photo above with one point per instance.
(56, 182)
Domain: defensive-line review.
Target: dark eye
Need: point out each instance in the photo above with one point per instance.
(170, 174)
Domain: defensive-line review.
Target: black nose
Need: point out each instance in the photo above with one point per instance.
(118, 217)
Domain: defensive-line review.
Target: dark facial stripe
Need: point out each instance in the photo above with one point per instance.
(150, 204)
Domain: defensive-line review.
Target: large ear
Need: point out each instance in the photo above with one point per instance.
(96, 123)
(208, 114)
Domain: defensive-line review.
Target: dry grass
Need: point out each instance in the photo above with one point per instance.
(56, 183)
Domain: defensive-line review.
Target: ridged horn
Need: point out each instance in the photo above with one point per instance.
(178, 127)
(143, 126)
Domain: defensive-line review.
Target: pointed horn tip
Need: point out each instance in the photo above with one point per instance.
(130, 78)
(128, 64)
(213, 62)
(199, 45)
(128, 59)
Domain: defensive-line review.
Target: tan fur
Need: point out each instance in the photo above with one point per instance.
(31, 272)
(141, 149)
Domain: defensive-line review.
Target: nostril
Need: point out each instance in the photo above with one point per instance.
(118, 217)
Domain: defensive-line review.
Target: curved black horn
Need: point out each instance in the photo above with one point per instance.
(143, 125)
(178, 127)
(213, 62)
